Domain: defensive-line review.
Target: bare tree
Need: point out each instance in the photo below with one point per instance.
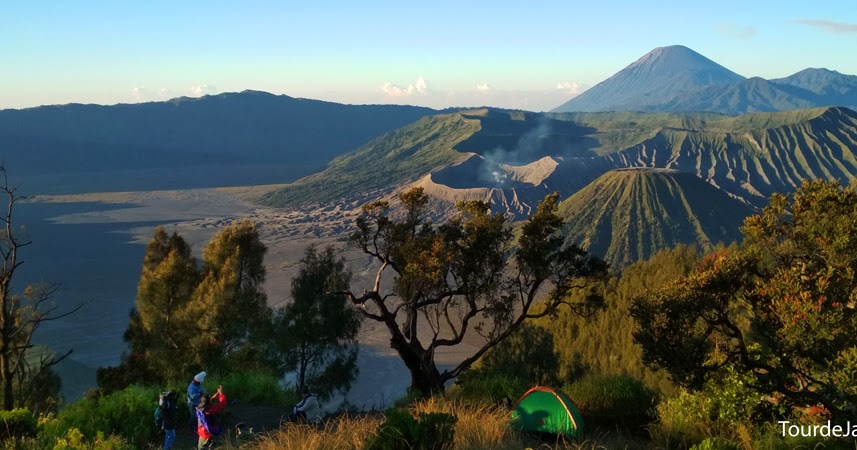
(21, 314)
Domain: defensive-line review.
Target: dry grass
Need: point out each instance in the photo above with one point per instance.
(479, 427)
(345, 433)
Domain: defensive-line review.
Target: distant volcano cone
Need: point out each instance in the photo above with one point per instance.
(657, 76)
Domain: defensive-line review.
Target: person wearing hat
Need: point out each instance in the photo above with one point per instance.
(194, 391)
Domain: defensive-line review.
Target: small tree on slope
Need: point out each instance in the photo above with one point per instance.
(316, 334)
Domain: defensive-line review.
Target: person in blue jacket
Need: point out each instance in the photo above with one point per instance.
(194, 392)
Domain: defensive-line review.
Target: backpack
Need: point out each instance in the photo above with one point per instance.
(163, 403)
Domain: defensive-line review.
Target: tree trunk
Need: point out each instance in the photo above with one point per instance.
(425, 378)
(302, 371)
(5, 363)
(8, 398)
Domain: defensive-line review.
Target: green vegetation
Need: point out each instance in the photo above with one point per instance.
(612, 399)
(689, 349)
(254, 387)
(126, 413)
(186, 318)
(315, 335)
(780, 309)
(455, 277)
(604, 344)
(17, 423)
(402, 431)
(388, 161)
(629, 215)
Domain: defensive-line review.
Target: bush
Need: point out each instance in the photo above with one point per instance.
(770, 437)
(684, 419)
(715, 444)
(492, 388)
(17, 423)
(127, 413)
(439, 430)
(74, 440)
(134, 369)
(612, 399)
(255, 388)
(400, 431)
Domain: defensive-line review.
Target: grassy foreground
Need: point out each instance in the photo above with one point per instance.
(479, 427)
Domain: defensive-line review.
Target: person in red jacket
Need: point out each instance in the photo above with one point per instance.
(209, 406)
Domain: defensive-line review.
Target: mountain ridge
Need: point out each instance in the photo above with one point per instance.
(270, 138)
(678, 79)
(748, 156)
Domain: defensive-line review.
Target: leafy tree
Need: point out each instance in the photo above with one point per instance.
(229, 306)
(464, 275)
(527, 355)
(780, 309)
(21, 315)
(604, 344)
(158, 330)
(316, 334)
(166, 285)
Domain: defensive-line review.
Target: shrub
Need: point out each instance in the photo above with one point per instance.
(770, 437)
(685, 420)
(715, 444)
(126, 413)
(74, 440)
(439, 430)
(17, 423)
(478, 426)
(491, 388)
(257, 388)
(612, 399)
(401, 431)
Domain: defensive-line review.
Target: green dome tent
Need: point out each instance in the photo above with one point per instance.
(546, 410)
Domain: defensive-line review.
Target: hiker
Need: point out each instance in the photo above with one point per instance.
(209, 406)
(308, 410)
(194, 391)
(167, 414)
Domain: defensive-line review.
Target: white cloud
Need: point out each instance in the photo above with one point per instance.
(831, 26)
(144, 94)
(418, 87)
(202, 89)
(570, 87)
(484, 87)
(141, 93)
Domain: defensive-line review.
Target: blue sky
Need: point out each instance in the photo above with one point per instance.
(532, 55)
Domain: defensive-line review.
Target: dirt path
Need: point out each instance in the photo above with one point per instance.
(260, 418)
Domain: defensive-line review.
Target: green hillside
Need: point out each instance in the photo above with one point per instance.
(629, 215)
(432, 143)
(747, 157)
(387, 161)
